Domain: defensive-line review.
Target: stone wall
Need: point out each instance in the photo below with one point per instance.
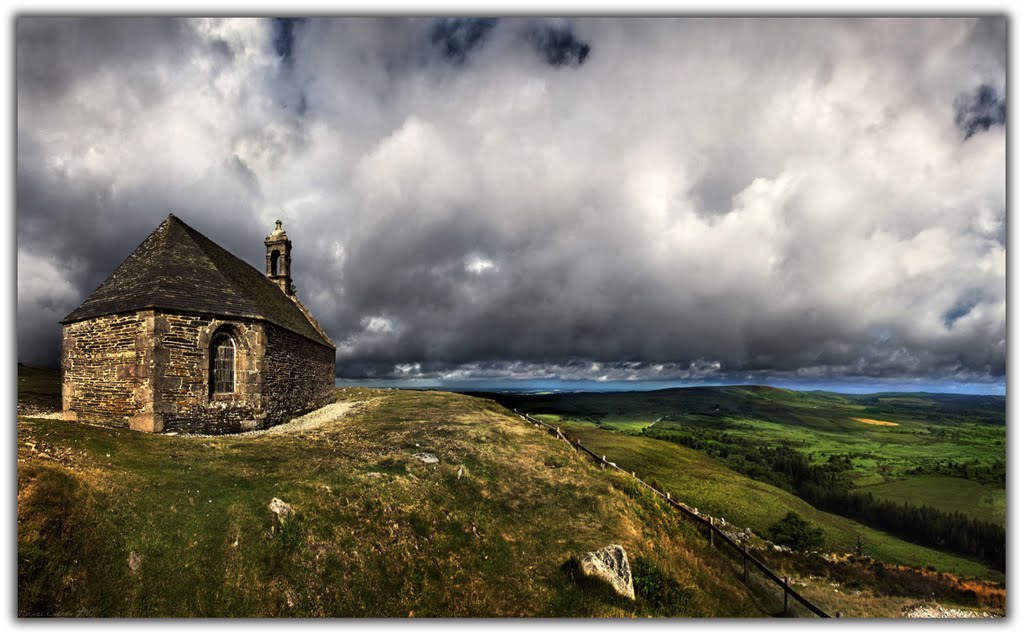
(299, 377)
(184, 401)
(150, 370)
(105, 368)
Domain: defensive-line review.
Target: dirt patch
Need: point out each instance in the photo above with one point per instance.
(875, 422)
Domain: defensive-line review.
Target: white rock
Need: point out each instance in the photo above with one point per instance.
(281, 508)
(134, 562)
(426, 457)
(610, 564)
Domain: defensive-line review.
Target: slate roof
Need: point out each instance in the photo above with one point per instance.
(177, 268)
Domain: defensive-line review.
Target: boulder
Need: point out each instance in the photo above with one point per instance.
(426, 457)
(611, 565)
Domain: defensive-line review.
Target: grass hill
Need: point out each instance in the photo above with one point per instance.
(118, 523)
(113, 522)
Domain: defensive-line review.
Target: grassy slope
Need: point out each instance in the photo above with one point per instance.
(693, 477)
(377, 532)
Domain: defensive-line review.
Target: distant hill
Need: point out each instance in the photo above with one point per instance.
(783, 405)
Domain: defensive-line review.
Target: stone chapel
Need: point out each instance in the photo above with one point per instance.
(185, 336)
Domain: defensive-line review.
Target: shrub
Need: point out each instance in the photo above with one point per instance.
(796, 533)
(660, 592)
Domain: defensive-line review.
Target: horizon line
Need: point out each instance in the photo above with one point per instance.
(526, 385)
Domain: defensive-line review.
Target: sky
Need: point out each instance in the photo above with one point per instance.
(803, 202)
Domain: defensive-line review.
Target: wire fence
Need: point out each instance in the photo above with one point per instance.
(756, 574)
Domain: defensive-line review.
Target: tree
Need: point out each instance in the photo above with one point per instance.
(796, 533)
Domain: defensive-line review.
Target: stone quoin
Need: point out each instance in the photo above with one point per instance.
(184, 336)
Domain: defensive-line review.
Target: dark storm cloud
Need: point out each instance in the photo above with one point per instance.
(457, 37)
(959, 310)
(980, 110)
(558, 45)
(284, 37)
(696, 199)
(55, 53)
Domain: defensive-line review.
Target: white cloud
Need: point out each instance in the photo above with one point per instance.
(475, 263)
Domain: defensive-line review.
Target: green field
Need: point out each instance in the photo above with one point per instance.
(947, 493)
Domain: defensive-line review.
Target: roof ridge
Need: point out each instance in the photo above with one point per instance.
(312, 320)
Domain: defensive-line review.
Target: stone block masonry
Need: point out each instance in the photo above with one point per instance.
(150, 370)
(106, 370)
(300, 374)
(183, 399)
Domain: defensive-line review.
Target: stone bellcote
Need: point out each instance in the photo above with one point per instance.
(279, 258)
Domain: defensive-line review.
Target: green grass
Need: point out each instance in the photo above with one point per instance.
(948, 494)
(38, 389)
(376, 532)
(700, 481)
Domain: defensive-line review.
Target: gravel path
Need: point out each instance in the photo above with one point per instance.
(942, 612)
(311, 420)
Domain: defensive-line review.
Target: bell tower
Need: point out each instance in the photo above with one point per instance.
(279, 258)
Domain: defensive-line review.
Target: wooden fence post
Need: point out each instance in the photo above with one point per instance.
(711, 531)
(746, 563)
(785, 596)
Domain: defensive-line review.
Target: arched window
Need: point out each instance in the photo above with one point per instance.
(274, 257)
(222, 364)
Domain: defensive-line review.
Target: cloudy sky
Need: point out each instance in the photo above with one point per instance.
(680, 200)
